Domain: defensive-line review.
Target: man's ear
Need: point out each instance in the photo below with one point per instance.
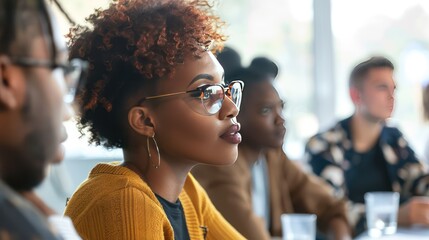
(8, 92)
(355, 95)
(140, 121)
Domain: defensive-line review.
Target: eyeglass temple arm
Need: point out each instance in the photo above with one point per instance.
(178, 93)
(160, 96)
(164, 95)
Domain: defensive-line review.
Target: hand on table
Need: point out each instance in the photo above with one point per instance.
(415, 211)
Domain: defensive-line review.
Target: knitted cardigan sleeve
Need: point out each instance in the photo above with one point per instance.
(123, 214)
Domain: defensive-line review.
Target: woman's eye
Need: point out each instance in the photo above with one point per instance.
(200, 93)
(206, 95)
(265, 110)
(195, 94)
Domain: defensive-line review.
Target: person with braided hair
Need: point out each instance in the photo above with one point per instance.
(155, 90)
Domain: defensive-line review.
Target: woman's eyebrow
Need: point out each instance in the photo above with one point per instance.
(201, 76)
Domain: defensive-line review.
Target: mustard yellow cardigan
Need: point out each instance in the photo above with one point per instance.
(115, 203)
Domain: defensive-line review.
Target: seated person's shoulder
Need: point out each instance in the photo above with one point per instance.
(316, 144)
(321, 141)
(107, 178)
(108, 188)
(394, 136)
(392, 130)
(19, 220)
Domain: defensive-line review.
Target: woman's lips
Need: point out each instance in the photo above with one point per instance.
(232, 135)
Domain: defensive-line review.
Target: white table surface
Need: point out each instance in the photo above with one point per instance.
(413, 233)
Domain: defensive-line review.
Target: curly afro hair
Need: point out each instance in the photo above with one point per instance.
(130, 46)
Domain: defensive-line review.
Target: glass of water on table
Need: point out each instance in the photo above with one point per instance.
(299, 226)
(381, 213)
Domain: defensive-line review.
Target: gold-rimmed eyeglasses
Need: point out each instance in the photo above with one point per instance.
(211, 96)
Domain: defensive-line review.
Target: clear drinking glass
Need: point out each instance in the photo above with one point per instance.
(381, 213)
(299, 226)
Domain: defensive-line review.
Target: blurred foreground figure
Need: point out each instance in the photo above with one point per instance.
(35, 79)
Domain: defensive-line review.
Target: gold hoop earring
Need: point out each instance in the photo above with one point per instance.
(157, 150)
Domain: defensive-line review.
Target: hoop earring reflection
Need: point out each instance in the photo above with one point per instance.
(157, 150)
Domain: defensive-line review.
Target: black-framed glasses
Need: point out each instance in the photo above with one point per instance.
(210, 96)
(73, 72)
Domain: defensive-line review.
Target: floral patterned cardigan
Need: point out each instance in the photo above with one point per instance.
(329, 153)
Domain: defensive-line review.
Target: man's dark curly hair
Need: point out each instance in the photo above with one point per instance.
(131, 45)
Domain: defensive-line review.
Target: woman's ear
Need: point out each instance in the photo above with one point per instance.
(8, 93)
(140, 121)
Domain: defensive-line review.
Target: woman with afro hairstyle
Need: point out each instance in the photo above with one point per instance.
(156, 91)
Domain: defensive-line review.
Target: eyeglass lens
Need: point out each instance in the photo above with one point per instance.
(72, 75)
(213, 97)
